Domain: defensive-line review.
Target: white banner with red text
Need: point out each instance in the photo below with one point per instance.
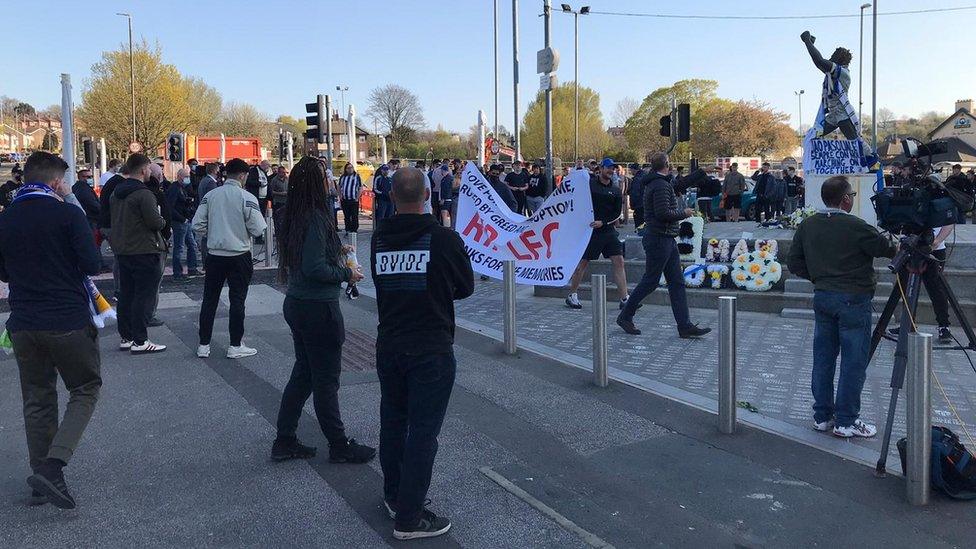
(546, 246)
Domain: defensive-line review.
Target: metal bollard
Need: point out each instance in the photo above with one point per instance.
(509, 306)
(726, 364)
(919, 417)
(268, 239)
(598, 283)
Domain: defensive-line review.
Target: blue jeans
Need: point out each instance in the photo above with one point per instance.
(661, 257)
(843, 325)
(383, 209)
(415, 390)
(183, 235)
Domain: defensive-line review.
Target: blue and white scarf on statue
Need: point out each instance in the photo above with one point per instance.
(833, 89)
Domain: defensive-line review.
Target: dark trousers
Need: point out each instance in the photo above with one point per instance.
(350, 215)
(318, 332)
(933, 287)
(842, 326)
(236, 271)
(139, 277)
(41, 357)
(384, 209)
(519, 201)
(638, 217)
(415, 390)
(846, 127)
(662, 257)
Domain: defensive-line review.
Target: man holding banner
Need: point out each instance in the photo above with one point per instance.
(607, 202)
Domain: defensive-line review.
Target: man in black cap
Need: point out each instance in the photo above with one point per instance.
(605, 241)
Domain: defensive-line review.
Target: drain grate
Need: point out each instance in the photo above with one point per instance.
(359, 352)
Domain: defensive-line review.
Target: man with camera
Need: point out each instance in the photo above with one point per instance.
(836, 251)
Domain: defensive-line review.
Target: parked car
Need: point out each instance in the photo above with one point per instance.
(748, 204)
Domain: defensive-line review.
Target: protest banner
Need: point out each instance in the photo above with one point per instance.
(833, 156)
(546, 247)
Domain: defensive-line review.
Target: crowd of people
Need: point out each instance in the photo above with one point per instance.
(48, 248)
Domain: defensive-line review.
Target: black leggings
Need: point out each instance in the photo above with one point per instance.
(350, 213)
(846, 127)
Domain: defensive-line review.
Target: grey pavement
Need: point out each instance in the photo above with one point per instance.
(176, 456)
(774, 362)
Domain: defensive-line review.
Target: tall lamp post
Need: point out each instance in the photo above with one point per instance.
(582, 11)
(860, 66)
(132, 78)
(495, 133)
(342, 95)
(799, 109)
(874, 76)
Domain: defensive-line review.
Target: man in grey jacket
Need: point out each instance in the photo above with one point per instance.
(228, 217)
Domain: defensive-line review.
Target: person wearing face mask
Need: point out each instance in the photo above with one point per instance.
(138, 244)
(181, 212)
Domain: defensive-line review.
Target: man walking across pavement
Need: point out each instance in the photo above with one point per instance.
(835, 250)
(228, 217)
(661, 251)
(46, 248)
(138, 245)
(604, 240)
(419, 269)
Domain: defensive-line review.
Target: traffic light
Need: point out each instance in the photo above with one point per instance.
(175, 147)
(684, 122)
(666, 126)
(316, 122)
(88, 146)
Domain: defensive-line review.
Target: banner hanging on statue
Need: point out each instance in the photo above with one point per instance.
(546, 247)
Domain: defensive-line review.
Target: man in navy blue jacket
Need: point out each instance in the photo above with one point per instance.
(46, 250)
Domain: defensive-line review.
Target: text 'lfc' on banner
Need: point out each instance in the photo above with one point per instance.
(546, 247)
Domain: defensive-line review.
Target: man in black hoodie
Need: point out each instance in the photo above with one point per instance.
(661, 251)
(419, 269)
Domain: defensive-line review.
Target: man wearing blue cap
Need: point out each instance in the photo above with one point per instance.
(607, 211)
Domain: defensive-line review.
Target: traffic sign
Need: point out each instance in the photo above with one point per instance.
(546, 60)
(547, 82)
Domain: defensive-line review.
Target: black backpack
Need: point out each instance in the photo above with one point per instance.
(953, 466)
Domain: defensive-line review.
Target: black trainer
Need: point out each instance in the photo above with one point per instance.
(36, 498)
(429, 526)
(693, 332)
(945, 336)
(49, 481)
(351, 452)
(290, 448)
(628, 325)
(391, 510)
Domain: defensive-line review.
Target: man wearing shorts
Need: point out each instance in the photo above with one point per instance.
(607, 204)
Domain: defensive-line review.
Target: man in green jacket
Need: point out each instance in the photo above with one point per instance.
(137, 244)
(835, 250)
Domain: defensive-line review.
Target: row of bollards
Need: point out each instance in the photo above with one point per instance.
(919, 391)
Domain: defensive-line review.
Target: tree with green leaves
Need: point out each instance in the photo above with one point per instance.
(165, 100)
(593, 139)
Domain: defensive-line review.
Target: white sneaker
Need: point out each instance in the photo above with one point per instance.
(125, 345)
(240, 351)
(823, 426)
(203, 351)
(573, 302)
(146, 348)
(859, 429)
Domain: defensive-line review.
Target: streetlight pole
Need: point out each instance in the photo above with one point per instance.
(515, 77)
(582, 11)
(799, 108)
(496, 71)
(342, 95)
(874, 76)
(860, 67)
(132, 78)
(547, 19)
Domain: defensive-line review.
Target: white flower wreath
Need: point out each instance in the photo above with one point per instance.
(724, 250)
(694, 275)
(740, 248)
(716, 272)
(756, 271)
(713, 252)
(770, 245)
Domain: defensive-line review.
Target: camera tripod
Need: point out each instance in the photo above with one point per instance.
(912, 259)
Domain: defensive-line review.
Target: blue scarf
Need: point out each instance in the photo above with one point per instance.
(35, 189)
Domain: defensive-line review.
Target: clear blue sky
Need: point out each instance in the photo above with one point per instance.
(442, 50)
